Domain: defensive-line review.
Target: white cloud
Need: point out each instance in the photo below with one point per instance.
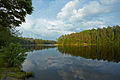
(91, 9)
(93, 24)
(75, 16)
(28, 24)
(87, 15)
(46, 28)
(69, 9)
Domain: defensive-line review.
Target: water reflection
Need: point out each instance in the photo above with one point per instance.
(109, 53)
(38, 47)
(51, 64)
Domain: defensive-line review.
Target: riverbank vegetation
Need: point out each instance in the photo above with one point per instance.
(12, 14)
(11, 59)
(12, 55)
(100, 36)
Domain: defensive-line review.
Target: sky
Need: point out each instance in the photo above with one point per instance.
(53, 18)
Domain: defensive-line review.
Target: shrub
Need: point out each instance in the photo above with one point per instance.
(14, 55)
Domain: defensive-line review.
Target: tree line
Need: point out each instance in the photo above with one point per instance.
(28, 41)
(100, 36)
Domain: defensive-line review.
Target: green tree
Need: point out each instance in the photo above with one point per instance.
(5, 35)
(13, 12)
(14, 55)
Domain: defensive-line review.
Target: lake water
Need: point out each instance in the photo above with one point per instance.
(73, 63)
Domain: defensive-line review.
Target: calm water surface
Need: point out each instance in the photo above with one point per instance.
(73, 63)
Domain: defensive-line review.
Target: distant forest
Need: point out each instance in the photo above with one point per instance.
(109, 35)
(28, 41)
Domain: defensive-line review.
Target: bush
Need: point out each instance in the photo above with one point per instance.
(14, 55)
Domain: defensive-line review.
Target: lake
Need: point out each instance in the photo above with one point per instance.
(73, 62)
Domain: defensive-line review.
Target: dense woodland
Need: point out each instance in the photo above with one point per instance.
(109, 35)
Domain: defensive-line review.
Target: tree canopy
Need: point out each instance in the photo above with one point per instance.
(13, 12)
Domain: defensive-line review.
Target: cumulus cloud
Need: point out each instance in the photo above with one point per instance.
(28, 24)
(46, 28)
(94, 24)
(74, 16)
(91, 14)
(69, 9)
(91, 9)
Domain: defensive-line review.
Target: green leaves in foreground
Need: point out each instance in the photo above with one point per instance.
(14, 55)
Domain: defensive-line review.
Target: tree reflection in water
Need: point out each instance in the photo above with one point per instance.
(37, 47)
(109, 53)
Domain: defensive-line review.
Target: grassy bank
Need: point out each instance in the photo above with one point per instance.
(11, 59)
(13, 73)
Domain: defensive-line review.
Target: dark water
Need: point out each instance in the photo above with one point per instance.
(73, 63)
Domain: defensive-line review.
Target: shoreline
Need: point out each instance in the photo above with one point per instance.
(12, 73)
(74, 44)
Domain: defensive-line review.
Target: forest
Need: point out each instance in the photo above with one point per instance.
(100, 36)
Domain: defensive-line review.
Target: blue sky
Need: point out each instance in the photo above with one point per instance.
(53, 18)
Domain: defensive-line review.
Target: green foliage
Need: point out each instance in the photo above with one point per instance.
(14, 73)
(14, 55)
(13, 12)
(5, 35)
(17, 75)
(109, 35)
(1, 60)
(1, 71)
(20, 74)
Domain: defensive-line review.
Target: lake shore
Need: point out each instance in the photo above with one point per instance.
(74, 44)
(12, 73)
